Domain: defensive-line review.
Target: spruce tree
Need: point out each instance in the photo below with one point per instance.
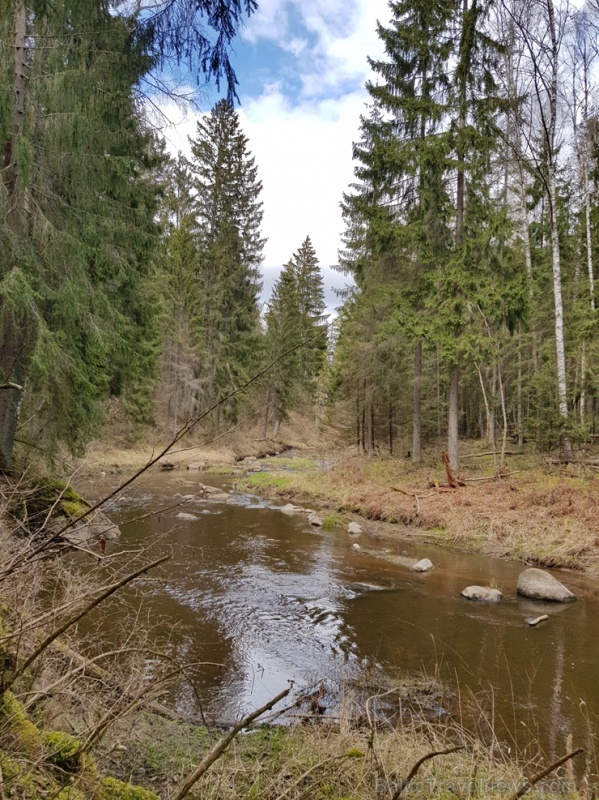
(228, 215)
(77, 209)
(283, 332)
(310, 289)
(182, 323)
(402, 196)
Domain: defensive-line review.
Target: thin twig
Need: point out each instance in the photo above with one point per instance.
(531, 782)
(493, 477)
(404, 784)
(183, 431)
(220, 747)
(110, 590)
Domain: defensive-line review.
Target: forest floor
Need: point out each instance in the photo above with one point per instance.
(534, 510)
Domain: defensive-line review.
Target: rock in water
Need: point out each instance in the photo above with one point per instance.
(315, 520)
(182, 515)
(289, 508)
(354, 529)
(534, 622)
(540, 585)
(486, 594)
(424, 565)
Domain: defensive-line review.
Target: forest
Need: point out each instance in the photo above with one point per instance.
(470, 240)
(447, 408)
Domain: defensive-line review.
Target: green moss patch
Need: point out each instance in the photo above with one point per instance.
(16, 727)
(47, 498)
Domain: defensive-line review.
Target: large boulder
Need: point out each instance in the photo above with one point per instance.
(486, 594)
(540, 585)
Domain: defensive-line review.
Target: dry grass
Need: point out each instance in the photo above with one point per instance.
(329, 760)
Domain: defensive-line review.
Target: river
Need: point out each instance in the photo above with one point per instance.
(262, 597)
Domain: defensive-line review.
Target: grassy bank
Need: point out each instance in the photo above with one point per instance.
(537, 514)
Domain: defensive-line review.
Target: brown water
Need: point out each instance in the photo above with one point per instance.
(271, 599)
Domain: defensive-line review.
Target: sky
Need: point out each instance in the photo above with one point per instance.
(302, 67)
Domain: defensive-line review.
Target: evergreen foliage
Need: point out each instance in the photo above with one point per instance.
(310, 292)
(78, 234)
(295, 315)
(78, 202)
(227, 219)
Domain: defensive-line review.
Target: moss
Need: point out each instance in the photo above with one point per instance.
(355, 752)
(19, 781)
(63, 750)
(111, 789)
(74, 508)
(17, 726)
(47, 496)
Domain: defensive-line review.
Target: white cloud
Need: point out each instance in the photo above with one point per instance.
(303, 144)
(269, 21)
(304, 161)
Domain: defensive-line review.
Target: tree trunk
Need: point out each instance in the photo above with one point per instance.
(559, 313)
(14, 350)
(519, 415)
(452, 405)
(417, 407)
(267, 410)
(372, 436)
(390, 428)
(452, 417)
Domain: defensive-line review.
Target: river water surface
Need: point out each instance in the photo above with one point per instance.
(266, 598)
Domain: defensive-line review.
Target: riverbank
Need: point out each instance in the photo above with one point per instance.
(537, 513)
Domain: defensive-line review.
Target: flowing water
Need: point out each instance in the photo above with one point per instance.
(261, 598)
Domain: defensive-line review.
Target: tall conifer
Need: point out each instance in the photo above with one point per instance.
(228, 216)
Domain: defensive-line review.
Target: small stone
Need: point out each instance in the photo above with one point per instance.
(537, 620)
(486, 594)
(424, 565)
(186, 517)
(315, 520)
(356, 546)
(354, 529)
(540, 585)
(199, 465)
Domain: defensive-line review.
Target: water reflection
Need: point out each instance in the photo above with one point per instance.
(272, 599)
